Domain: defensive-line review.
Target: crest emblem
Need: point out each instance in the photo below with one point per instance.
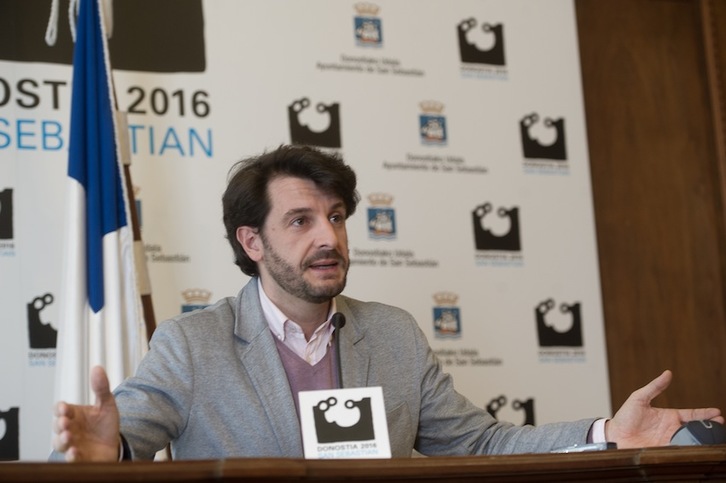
(367, 26)
(195, 299)
(432, 123)
(447, 316)
(381, 217)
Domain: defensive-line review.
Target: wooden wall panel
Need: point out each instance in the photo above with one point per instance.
(658, 193)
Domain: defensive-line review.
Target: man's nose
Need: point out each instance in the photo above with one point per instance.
(327, 235)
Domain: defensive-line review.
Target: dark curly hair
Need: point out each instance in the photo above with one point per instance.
(246, 201)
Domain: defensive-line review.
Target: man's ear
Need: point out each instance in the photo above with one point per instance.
(251, 242)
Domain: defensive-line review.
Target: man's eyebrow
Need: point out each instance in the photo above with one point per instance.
(297, 211)
(302, 210)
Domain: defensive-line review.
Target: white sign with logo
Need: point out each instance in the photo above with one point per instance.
(344, 423)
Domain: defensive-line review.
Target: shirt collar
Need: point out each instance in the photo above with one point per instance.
(276, 320)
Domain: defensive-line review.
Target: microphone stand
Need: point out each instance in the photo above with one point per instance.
(338, 321)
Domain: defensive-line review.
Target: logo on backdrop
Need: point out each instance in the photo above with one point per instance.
(10, 435)
(134, 41)
(533, 148)
(368, 35)
(497, 238)
(549, 334)
(302, 134)
(195, 299)
(447, 316)
(367, 26)
(486, 239)
(381, 217)
(382, 225)
(471, 53)
(527, 406)
(560, 337)
(6, 214)
(482, 53)
(432, 124)
(42, 335)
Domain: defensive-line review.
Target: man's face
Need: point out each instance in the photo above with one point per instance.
(304, 242)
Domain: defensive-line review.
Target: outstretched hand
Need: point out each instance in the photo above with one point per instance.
(637, 424)
(89, 433)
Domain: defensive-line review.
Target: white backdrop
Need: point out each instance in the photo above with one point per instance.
(434, 117)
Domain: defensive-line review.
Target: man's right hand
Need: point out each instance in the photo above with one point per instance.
(89, 433)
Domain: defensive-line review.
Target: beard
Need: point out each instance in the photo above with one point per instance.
(292, 279)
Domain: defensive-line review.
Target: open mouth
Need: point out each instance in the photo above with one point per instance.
(325, 260)
(324, 265)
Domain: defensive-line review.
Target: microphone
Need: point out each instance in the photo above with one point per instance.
(338, 321)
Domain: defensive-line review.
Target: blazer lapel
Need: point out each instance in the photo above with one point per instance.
(354, 353)
(261, 360)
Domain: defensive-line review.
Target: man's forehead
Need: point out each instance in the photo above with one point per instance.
(293, 193)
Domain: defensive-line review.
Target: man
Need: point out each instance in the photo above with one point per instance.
(223, 382)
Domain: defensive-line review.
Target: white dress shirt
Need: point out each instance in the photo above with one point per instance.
(291, 334)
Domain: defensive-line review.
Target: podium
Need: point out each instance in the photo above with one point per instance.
(652, 464)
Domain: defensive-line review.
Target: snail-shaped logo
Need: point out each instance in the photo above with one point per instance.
(302, 134)
(485, 239)
(332, 432)
(533, 149)
(42, 334)
(471, 54)
(548, 335)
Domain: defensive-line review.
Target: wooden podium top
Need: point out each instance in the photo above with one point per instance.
(693, 463)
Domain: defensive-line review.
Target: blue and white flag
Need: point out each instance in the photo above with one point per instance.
(101, 321)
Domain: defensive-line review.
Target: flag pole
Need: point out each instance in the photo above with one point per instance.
(142, 271)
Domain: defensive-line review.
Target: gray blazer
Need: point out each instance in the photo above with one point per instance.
(213, 385)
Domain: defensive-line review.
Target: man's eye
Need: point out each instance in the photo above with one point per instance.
(336, 218)
(298, 221)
